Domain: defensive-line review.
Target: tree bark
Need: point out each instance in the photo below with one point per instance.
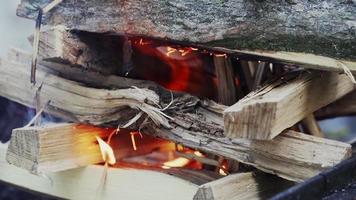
(322, 27)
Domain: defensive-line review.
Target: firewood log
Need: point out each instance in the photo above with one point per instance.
(58, 147)
(242, 186)
(265, 113)
(188, 120)
(316, 27)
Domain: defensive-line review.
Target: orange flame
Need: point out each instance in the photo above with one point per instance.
(133, 139)
(106, 151)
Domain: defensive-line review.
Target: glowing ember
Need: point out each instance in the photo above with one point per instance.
(106, 151)
(133, 139)
(178, 162)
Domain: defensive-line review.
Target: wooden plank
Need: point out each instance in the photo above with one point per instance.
(57, 147)
(86, 183)
(242, 186)
(306, 60)
(342, 107)
(267, 112)
(232, 24)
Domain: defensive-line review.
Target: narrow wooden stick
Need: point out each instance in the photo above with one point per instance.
(312, 126)
(226, 80)
(260, 72)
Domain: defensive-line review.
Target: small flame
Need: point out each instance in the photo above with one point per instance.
(106, 151)
(170, 50)
(223, 169)
(198, 153)
(178, 162)
(222, 172)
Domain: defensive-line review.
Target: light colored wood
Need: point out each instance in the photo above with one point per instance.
(312, 126)
(247, 74)
(292, 155)
(226, 80)
(74, 101)
(86, 183)
(242, 186)
(57, 44)
(267, 112)
(260, 74)
(342, 107)
(200, 128)
(57, 147)
(306, 60)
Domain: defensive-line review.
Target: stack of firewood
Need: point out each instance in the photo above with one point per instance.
(267, 120)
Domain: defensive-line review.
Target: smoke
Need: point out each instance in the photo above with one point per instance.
(14, 115)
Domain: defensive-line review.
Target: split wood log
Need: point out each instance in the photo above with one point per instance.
(267, 112)
(342, 107)
(194, 123)
(86, 183)
(242, 186)
(58, 147)
(232, 24)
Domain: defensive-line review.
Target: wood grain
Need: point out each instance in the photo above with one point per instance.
(58, 147)
(267, 112)
(233, 24)
(242, 186)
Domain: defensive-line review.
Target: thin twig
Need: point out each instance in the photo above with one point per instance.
(347, 72)
(37, 114)
(36, 41)
(170, 103)
(259, 75)
(38, 104)
(51, 5)
(36, 37)
(133, 120)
